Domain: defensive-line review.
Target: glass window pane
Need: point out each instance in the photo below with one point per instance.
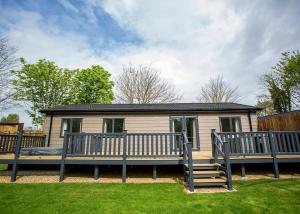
(190, 128)
(108, 126)
(236, 125)
(177, 124)
(118, 125)
(66, 123)
(76, 125)
(225, 124)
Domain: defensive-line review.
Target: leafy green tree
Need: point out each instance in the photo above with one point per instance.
(42, 85)
(11, 118)
(283, 82)
(266, 104)
(92, 85)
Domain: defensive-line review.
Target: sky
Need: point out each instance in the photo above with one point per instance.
(188, 41)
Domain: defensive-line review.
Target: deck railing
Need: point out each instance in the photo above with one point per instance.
(188, 159)
(120, 144)
(261, 143)
(221, 149)
(8, 142)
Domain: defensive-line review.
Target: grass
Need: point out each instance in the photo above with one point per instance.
(3, 167)
(259, 196)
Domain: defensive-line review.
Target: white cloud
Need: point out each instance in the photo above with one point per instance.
(188, 41)
(184, 39)
(36, 40)
(68, 5)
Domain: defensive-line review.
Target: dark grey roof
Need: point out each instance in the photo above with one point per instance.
(163, 107)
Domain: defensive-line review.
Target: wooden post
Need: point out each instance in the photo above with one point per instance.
(17, 154)
(50, 130)
(154, 175)
(228, 166)
(124, 157)
(273, 153)
(183, 147)
(214, 154)
(96, 172)
(63, 157)
(250, 121)
(243, 170)
(190, 163)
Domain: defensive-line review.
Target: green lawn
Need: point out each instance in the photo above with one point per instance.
(3, 166)
(260, 196)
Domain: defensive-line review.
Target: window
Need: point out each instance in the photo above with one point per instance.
(70, 125)
(187, 123)
(113, 125)
(230, 124)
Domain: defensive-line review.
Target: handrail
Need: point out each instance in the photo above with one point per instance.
(188, 156)
(222, 148)
(8, 142)
(262, 143)
(121, 144)
(218, 144)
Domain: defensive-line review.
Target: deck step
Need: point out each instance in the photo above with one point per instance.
(204, 165)
(209, 182)
(208, 172)
(195, 172)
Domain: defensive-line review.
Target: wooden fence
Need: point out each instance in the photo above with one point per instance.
(289, 121)
(11, 128)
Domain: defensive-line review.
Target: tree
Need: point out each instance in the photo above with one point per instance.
(144, 84)
(8, 61)
(266, 104)
(217, 90)
(92, 85)
(42, 85)
(11, 118)
(283, 82)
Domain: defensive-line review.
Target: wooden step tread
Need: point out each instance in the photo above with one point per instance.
(206, 164)
(208, 172)
(209, 180)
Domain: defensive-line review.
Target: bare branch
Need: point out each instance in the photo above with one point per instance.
(144, 85)
(217, 90)
(8, 61)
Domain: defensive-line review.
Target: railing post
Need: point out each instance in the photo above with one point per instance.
(44, 141)
(228, 165)
(213, 150)
(17, 154)
(154, 173)
(273, 153)
(183, 147)
(124, 156)
(63, 156)
(190, 163)
(96, 172)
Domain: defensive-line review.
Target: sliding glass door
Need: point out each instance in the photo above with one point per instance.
(188, 123)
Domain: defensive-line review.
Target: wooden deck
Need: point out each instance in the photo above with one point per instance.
(203, 155)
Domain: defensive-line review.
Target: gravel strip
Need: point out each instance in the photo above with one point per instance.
(52, 176)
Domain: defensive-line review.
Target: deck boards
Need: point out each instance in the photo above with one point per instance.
(7, 156)
(196, 156)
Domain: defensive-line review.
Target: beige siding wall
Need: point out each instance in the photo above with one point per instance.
(254, 121)
(93, 124)
(146, 124)
(207, 122)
